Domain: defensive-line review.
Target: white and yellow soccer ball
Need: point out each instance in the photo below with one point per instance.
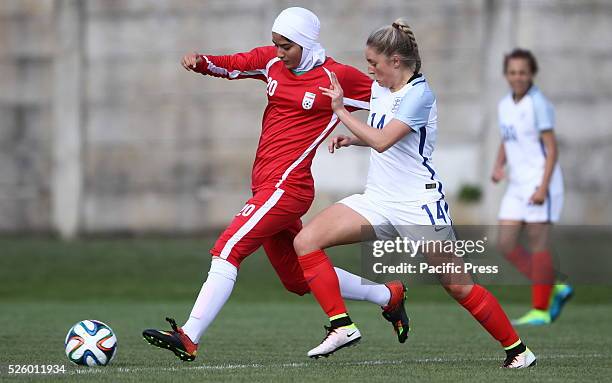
(90, 343)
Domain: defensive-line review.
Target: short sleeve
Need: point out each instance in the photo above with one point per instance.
(544, 113)
(415, 108)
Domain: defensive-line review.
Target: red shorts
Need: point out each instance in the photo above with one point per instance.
(270, 219)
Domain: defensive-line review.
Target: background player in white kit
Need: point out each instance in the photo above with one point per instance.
(534, 197)
(403, 189)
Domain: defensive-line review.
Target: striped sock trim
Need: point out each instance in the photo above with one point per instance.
(338, 316)
(513, 345)
(340, 320)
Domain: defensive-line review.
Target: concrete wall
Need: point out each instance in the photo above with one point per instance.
(27, 41)
(101, 130)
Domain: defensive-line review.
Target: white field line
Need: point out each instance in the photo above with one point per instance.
(104, 370)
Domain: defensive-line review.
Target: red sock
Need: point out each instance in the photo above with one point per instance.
(323, 281)
(486, 309)
(521, 259)
(542, 279)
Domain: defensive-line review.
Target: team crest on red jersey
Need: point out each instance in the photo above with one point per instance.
(308, 100)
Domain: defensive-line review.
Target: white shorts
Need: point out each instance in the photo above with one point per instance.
(412, 220)
(515, 206)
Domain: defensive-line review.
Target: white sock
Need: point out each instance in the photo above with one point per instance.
(213, 295)
(360, 289)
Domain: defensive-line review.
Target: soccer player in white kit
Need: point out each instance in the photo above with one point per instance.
(403, 189)
(534, 197)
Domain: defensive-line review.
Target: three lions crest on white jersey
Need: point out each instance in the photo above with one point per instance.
(405, 172)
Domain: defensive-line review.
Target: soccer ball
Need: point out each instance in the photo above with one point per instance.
(90, 343)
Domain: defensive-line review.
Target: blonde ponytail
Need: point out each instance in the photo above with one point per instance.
(397, 39)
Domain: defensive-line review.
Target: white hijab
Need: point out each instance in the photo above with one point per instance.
(302, 27)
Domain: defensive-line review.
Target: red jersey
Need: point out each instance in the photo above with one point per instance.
(298, 116)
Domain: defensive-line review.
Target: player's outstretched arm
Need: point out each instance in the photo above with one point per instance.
(252, 64)
(378, 139)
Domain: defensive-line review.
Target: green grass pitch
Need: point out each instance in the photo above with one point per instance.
(263, 333)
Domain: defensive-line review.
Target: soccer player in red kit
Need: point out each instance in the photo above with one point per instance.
(296, 120)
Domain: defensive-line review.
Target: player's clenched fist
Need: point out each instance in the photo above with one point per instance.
(191, 60)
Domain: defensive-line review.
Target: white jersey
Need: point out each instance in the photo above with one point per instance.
(521, 124)
(405, 172)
